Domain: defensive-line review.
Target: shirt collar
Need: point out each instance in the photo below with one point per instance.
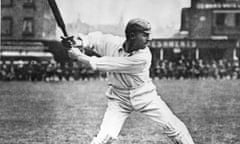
(121, 49)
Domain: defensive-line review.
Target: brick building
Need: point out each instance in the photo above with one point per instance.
(25, 26)
(212, 31)
(212, 19)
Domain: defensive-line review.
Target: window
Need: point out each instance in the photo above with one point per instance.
(28, 26)
(6, 3)
(220, 18)
(6, 26)
(230, 20)
(237, 19)
(28, 4)
(227, 19)
(226, 22)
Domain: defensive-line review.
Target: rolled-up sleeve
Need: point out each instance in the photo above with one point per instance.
(132, 64)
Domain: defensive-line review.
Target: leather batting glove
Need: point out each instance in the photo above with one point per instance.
(79, 41)
(68, 42)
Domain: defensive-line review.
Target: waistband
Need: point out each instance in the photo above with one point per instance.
(116, 91)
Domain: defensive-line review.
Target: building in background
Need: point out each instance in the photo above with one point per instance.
(25, 27)
(210, 30)
(213, 19)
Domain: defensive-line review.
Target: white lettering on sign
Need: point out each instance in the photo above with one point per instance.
(173, 44)
(218, 5)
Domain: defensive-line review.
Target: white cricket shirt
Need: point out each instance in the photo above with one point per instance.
(128, 73)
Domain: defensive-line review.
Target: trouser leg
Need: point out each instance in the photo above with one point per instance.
(112, 123)
(156, 109)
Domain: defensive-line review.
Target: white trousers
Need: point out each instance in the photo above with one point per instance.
(149, 104)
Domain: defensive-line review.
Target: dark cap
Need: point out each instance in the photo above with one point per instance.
(138, 25)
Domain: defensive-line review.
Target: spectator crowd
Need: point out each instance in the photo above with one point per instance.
(45, 71)
(181, 69)
(196, 69)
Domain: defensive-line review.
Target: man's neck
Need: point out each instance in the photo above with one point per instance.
(129, 47)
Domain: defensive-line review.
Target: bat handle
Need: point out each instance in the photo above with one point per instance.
(73, 42)
(65, 33)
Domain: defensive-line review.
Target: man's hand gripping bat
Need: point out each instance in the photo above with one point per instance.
(62, 26)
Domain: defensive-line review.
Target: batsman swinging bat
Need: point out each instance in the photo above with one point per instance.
(62, 26)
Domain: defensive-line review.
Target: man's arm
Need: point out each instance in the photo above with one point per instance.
(104, 44)
(132, 64)
(76, 54)
(119, 64)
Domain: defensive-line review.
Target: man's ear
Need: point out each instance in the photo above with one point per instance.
(132, 36)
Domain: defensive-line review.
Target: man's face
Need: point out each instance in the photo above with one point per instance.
(139, 41)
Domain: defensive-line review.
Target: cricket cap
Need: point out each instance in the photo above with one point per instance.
(138, 25)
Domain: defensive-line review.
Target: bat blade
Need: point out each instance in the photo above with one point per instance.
(58, 16)
(61, 24)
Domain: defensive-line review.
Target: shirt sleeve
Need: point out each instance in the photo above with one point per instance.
(132, 64)
(104, 44)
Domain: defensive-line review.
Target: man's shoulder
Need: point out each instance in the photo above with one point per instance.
(107, 36)
(107, 44)
(143, 54)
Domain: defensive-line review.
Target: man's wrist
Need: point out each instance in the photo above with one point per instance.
(90, 61)
(82, 40)
(93, 62)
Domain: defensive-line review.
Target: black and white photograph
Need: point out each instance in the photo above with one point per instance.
(120, 72)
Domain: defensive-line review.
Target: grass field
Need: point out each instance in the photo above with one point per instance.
(71, 112)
